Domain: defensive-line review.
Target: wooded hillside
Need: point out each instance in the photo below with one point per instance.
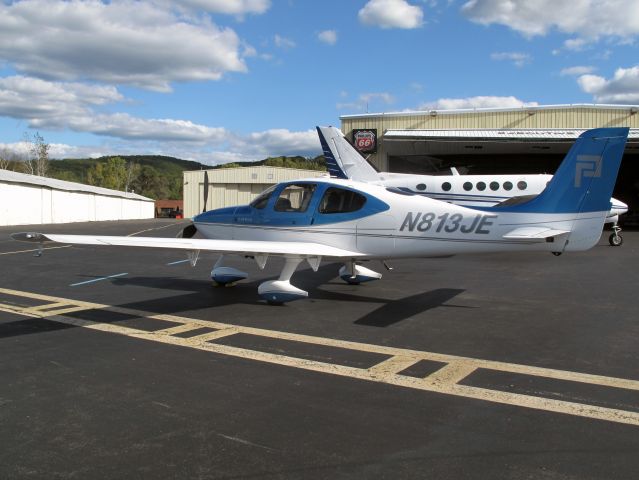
(153, 176)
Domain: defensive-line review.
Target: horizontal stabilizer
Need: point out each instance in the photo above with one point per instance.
(532, 233)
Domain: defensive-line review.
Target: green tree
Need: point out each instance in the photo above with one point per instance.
(67, 176)
(132, 172)
(110, 174)
(150, 183)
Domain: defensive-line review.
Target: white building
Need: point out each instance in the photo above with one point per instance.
(28, 199)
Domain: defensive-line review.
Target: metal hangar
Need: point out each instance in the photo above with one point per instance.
(486, 141)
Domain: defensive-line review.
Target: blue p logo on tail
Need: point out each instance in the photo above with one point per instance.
(587, 166)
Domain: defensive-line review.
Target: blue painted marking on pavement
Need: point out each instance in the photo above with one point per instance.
(179, 261)
(98, 279)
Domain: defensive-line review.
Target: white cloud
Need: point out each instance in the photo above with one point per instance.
(575, 44)
(328, 36)
(518, 59)
(275, 141)
(577, 70)
(228, 7)
(587, 19)
(229, 147)
(76, 107)
(391, 14)
(476, 102)
(622, 88)
(53, 103)
(283, 42)
(125, 42)
(125, 126)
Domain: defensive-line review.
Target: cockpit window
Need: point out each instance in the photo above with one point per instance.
(295, 198)
(339, 200)
(262, 199)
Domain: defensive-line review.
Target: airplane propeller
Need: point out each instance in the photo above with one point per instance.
(206, 190)
(190, 230)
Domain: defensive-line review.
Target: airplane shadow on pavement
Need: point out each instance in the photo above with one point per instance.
(193, 294)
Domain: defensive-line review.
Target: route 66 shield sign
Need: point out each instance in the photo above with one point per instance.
(365, 140)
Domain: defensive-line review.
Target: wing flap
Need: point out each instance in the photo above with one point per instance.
(532, 233)
(244, 247)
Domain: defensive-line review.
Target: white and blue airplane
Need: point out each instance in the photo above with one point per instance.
(344, 161)
(319, 218)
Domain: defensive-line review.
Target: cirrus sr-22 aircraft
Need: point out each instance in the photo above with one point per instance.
(352, 222)
(344, 161)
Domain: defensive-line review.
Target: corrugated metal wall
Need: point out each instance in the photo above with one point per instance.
(524, 118)
(234, 186)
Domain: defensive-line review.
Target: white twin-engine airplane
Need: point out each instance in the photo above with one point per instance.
(352, 222)
(344, 161)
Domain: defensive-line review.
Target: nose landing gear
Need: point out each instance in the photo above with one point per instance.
(615, 239)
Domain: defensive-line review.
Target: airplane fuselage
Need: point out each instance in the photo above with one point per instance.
(390, 224)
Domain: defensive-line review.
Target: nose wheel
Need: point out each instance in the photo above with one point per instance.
(615, 239)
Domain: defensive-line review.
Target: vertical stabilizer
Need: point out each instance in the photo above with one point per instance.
(342, 160)
(577, 198)
(585, 179)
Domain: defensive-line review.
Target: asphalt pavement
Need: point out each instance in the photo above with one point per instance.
(128, 363)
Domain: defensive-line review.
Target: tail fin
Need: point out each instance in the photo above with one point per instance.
(579, 191)
(585, 179)
(342, 160)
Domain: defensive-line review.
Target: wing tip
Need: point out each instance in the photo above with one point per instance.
(32, 237)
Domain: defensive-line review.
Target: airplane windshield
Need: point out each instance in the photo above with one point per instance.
(262, 199)
(295, 198)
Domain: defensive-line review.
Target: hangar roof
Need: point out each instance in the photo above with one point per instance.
(8, 176)
(507, 134)
(526, 108)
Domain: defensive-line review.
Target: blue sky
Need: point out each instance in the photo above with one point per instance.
(234, 80)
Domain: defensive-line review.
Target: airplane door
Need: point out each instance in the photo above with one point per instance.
(375, 235)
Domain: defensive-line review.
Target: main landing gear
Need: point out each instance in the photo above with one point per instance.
(280, 291)
(277, 292)
(354, 274)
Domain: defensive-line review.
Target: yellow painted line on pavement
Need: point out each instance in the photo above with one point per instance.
(446, 380)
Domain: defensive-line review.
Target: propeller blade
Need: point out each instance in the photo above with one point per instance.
(206, 190)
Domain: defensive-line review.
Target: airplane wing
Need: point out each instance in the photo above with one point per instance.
(242, 247)
(532, 233)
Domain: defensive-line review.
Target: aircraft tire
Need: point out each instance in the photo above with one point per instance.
(615, 240)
